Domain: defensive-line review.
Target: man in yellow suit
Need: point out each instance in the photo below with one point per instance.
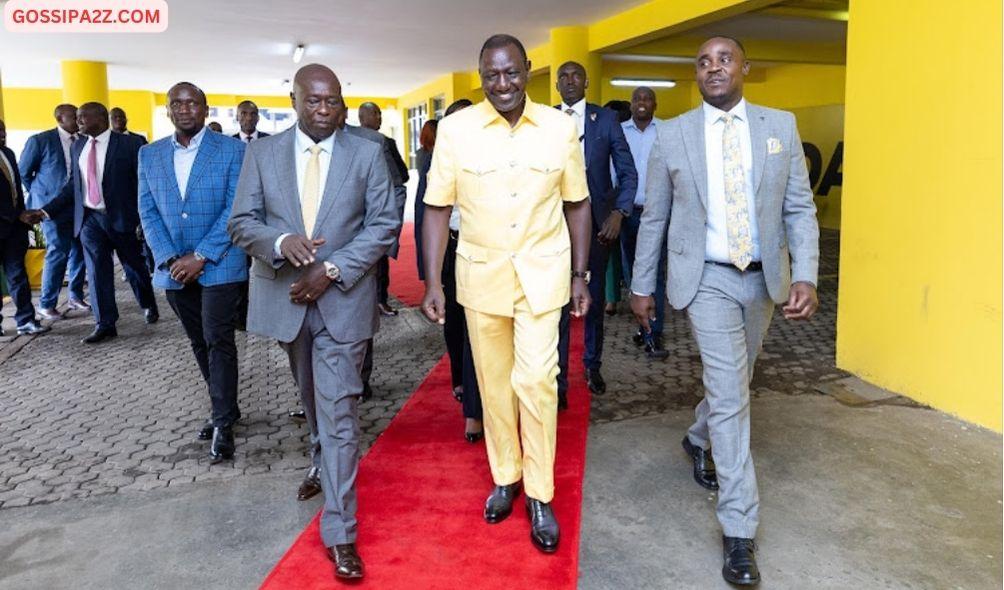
(515, 170)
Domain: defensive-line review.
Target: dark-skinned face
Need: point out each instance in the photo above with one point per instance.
(66, 118)
(119, 120)
(721, 70)
(572, 83)
(317, 100)
(504, 74)
(187, 110)
(247, 117)
(642, 105)
(92, 122)
(371, 118)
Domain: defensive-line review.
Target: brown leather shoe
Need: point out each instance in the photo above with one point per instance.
(311, 485)
(348, 564)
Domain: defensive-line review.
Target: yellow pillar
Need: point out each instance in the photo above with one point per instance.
(572, 44)
(85, 81)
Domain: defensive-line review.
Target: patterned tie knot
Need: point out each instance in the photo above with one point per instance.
(314, 149)
(728, 118)
(569, 111)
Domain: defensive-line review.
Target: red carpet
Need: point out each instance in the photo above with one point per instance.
(404, 283)
(421, 492)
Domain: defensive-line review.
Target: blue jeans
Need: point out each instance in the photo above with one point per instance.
(62, 250)
(629, 238)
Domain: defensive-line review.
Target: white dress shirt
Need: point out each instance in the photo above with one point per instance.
(301, 147)
(717, 244)
(184, 158)
(579, 114)
(82, 162)
(245, 136)
(66, 140)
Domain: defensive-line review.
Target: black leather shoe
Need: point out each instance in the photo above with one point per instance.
(348, 564)
(704, 465)
(638, 338)
(562, 401)
(543, 525)
(222, 447)
(473, 437)
(740, 561)
(498, 507)
(311, 485)
(298, 415)
(99, 335)
(151, 315)
(655, 350)
(206, 432)
(595, 381)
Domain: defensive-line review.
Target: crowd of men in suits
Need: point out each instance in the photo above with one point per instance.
(711, 208)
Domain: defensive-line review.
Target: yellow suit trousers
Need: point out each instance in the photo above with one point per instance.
(517, 366)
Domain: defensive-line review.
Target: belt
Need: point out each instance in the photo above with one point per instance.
(754, 266)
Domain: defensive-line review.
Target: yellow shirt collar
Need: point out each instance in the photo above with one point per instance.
(489, 115)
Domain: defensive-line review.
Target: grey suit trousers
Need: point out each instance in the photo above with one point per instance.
(729, 318)
(327, 374)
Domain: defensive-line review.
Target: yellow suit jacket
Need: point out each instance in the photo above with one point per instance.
(510, 185)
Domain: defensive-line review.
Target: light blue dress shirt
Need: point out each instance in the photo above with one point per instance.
(641, 143)
(184, 158)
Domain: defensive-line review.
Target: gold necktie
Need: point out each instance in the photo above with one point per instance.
(736, 204)
(311, 189)
(5, 166)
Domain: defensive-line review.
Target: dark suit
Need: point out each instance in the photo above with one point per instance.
(604, 143)
(14, 239)
(114, 229)
(43, 172)
(261, 134)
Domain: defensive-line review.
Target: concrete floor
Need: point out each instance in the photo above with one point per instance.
(879, 497)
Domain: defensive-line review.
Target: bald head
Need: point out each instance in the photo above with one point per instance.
(317, 100)
(370, 116)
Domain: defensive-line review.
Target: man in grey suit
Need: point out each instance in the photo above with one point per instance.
(315, 210)
(729, 180)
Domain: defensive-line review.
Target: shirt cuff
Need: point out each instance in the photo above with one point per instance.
(278, 242)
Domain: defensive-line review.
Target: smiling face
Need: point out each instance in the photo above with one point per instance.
(572, 83)
(721, 70)
(504, 74)
(642, 104)
(66, 117)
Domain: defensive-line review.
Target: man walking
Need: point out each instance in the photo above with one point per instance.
(315, 209)
(729, 179)
(101, 195)
(515, 170)
(45, 167)
(247, 119)
(602, 141)
(187, 184)
(120, 124)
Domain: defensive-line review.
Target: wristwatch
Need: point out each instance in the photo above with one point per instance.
(623, 213)
(582, 275)
(332, 272)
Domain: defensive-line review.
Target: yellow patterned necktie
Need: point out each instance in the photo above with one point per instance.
(311, 189)
(736, 205)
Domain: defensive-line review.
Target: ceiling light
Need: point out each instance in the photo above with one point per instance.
(650, 82)
(298, 53)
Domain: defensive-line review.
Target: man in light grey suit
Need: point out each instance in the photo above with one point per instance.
(729, 180)
(315, 210)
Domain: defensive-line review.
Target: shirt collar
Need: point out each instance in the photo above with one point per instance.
(63, 134)
(489, 115)
(193, 144)
(303, 141)
(579, 108)
(713, 114)
(245, 136)
(103, 138)
(630, 124)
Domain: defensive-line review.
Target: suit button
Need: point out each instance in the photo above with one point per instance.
(184, 215)
(512, 164)
(513, 195)
(513, 255)
(513, 226)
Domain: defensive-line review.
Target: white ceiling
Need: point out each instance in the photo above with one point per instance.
(377, 47)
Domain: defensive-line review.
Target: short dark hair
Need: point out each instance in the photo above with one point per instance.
(502, 40)
(738, 43)
(65, 105)
(247, 102)
(193, 87)
(463, 103)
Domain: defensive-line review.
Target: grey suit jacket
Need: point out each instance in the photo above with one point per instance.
(394, 168)
(676, 197)
(357, 217)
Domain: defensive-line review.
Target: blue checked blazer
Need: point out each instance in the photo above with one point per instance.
(175, 227)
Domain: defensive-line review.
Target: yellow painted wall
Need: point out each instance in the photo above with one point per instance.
(920, 273)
